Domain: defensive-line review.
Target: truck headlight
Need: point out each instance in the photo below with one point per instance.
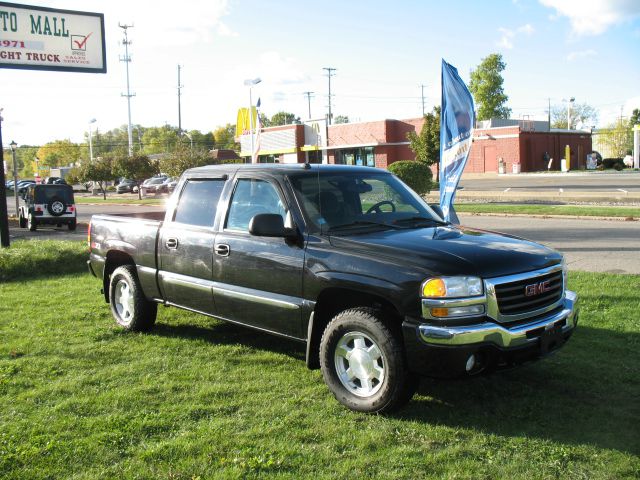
(451, 287)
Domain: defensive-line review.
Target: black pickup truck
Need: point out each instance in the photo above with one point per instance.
(346, 259)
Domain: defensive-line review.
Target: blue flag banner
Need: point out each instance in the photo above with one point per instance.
(456, 134)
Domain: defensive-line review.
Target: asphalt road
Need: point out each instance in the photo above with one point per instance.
(570, 182)
(590, 245)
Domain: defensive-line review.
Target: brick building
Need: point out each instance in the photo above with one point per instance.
(511, 142)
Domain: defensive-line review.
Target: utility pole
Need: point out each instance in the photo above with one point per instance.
(549, 112)
(422, 88)
(127, 59)
(329, 75)
(179, 110)
(308, 94)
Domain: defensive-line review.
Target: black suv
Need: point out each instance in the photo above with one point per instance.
(50, 205)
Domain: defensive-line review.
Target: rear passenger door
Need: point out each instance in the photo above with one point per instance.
(186, 244)
(258, 279)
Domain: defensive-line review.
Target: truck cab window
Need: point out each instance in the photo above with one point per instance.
(198, 202)
(250, 198)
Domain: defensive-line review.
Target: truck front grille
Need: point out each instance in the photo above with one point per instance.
(525, 295)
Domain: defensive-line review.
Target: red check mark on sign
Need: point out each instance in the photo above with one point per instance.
(83, 42)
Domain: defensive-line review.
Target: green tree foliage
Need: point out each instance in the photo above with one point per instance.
(200, 141)
(635, 117)
(616, 138)
(59, 153)
(264, 120)
(113, 141)
(183, 158)
(416, 175)
(426, 144)
(486, 87)
(225, 138)
(136, 167)
(581, 113)
(160, 139)
(99, 171)
(283, 118)
(341, 119)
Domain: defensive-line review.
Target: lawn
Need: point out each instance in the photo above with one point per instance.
(197, 398)
(531, 209)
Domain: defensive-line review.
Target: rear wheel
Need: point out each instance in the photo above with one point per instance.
(363, 363)
(22, 221)
(129, 306)
(72, 224)
(31, 223)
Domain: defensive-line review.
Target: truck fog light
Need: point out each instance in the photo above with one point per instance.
(441, 312)
(471, 362)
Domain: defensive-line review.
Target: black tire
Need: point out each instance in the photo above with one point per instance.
(57, 206)
(32, 224)
(358, 330)
(129, 307)
(22, 221)
(72, 224)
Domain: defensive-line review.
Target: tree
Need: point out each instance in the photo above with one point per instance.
(635, 118)
(580, 113)
(417, 175)
(283, 118)
(199, 140)
(341, 119)
(98, 171)
(183, 158)
(59, 153)
(136, 167)
(426, 145)
(616, 138)
(486, 87)
(225, 137)
(160, 139)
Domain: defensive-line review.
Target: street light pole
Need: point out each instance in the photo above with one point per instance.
(571, 100)
(250, 83)
(4, 217)
(93, 120)
(13, 146)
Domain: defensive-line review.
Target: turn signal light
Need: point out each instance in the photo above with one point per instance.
(434, 288)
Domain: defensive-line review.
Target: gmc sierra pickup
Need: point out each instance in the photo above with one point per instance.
(346, 259)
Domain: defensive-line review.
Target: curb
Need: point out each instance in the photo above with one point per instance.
(565, 217)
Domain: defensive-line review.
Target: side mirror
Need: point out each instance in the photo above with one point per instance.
(267, 225)
(436, 208)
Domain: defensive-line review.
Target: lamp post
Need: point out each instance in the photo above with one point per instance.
(250, 83)
(13, 146)
(93, 120)
(569, 102)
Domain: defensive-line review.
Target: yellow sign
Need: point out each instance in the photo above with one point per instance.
(243, 123)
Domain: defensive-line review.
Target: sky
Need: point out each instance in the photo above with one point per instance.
(382, 52)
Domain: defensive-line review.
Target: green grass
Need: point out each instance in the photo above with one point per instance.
(196, 398)
(574, 210)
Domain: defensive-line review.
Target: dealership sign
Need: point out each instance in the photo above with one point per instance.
(38, 38)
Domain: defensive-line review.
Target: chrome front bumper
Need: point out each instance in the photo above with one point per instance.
(501, 335)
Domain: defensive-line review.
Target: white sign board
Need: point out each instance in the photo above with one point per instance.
(38, 38)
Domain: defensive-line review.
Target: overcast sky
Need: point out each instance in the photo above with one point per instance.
(383, 51)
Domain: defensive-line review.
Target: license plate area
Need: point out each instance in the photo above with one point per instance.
(551, 338)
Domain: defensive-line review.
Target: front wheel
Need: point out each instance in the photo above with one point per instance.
(363, 364)
(129, 306)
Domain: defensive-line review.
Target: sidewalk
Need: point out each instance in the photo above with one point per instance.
(541, 196)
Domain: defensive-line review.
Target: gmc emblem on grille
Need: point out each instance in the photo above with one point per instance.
(537, 288)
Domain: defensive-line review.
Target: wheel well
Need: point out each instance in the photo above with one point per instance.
(335, 300)
(115, 259)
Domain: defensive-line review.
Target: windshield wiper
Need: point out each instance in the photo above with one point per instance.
(364, 223)
(421, 219)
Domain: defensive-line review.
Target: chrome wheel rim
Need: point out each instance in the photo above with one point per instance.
(57, 207)
(360, 364)
(123, 301)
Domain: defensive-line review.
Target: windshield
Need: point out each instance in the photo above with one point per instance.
(337, 201)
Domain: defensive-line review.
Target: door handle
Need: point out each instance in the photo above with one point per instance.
(171, 243)
(222, 249)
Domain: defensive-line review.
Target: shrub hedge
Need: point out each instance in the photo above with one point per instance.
(414, 173)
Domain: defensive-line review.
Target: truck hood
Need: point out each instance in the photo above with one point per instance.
(453, 250)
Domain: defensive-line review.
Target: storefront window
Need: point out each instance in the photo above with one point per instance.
(356, 156)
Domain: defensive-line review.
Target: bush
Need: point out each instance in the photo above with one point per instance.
(616, 163)
(414, 173)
